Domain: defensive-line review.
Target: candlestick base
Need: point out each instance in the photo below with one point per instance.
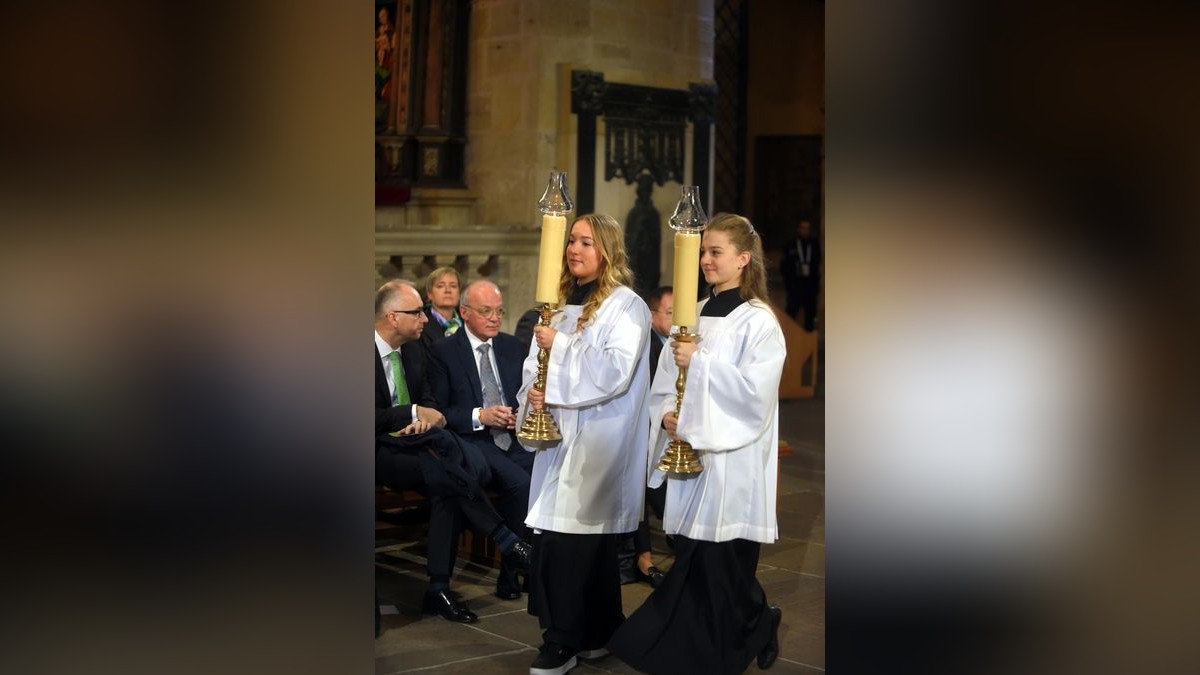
(539, 426)
(680, 458)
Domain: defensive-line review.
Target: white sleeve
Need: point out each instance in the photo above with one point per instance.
(581, 374)
(728, 405)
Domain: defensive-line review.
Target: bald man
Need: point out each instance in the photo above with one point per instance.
(414, 451)
(475, 374)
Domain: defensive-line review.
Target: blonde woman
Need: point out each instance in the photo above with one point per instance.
(710, 614)
(442, 288)
(588, 487)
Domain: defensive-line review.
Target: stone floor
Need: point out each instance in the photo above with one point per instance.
(506, 638)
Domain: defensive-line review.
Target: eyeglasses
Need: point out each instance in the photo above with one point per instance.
(487, 312)
(410, 312)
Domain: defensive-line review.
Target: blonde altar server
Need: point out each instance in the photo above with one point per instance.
(589, 487)
(710, 615)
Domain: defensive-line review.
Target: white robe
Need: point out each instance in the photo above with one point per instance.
(730, 415)
(593, 480)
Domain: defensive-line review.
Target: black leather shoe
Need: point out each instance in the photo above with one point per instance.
(508, 586)
(770, 651)
(518, 557)
(652, 576)
(449, 606)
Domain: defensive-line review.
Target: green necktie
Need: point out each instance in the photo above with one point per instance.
(401, 397)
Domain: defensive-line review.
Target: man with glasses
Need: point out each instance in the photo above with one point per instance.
(413, 451)
(475, 374)
(662, 318)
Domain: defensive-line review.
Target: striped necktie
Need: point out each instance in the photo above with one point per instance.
(491, 394)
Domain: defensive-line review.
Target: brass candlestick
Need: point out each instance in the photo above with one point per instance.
(688, 221)
(680, 456)
(539, 425)
(554, 204)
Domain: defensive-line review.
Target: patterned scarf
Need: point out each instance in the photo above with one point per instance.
(449, 326)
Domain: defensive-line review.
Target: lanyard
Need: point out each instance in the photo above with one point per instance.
(804, 250)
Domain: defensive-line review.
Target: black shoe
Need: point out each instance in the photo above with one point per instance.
(553, 659)
(518, 557)
(770, 651)
(652, 576)
(449, 605)
(508, 585)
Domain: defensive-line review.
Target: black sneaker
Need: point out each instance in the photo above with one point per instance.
(553, 659)
(597, 653)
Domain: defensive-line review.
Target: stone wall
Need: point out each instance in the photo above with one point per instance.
(519, 127)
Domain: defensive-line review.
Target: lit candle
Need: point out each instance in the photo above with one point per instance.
(554, 231)
(687, 259)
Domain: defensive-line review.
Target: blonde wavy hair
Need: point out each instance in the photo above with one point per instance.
(753, 284)
(614, 266)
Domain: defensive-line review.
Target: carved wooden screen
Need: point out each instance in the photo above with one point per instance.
(420, 94)
(645, 134)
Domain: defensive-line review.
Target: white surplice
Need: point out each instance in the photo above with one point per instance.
(730, 415)
(593, 480)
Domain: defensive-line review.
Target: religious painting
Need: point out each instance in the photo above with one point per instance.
(385, 46)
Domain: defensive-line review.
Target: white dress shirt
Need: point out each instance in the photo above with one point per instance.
(475, 342)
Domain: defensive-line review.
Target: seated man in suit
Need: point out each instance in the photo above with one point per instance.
(414, 451)
(475, 375)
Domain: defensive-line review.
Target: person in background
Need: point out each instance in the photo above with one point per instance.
(525, 324)
(801, 270)
(711, 615)
(589, 486)
(662, 302)
(414, 451)
(442, 289)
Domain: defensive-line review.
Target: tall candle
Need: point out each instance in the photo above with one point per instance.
(687, 261)
(554, 232)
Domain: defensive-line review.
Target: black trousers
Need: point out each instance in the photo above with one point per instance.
(575, 589)
(510, 480)
(803, 295)
(401, 471)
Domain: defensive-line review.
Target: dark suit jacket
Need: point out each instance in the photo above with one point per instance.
(448, 465)
(454, 379)
(394, 418)
(656, 347)
(789, 266)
